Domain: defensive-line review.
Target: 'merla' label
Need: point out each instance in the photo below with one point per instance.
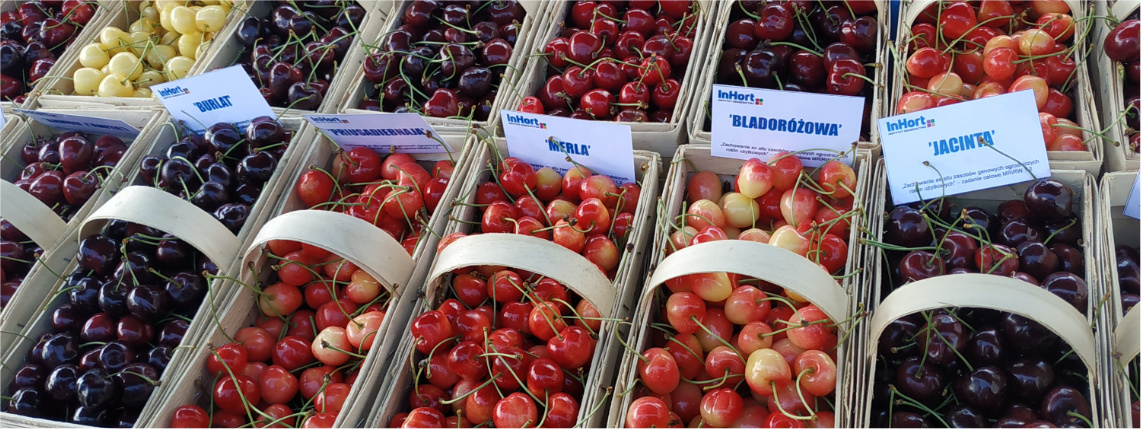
(561, 143)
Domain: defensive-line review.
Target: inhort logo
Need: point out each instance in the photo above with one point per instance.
(739, 98)
(328, 120)
(172, 92)
(524, 121)
(905, 125)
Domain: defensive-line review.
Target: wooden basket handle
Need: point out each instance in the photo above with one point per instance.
(530, 254)
(30, 215)
(993, 292)
(170, 214)
(759, 260)
(1127, 336)
(362, 243)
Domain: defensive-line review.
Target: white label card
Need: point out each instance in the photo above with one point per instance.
(547, 141)
(384, 133)
(3, 120)
(963, 147)
(1133, 205)
(83, 124)
(224, 95)
(758, 123)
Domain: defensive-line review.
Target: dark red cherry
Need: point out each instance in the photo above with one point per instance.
(1049, 199)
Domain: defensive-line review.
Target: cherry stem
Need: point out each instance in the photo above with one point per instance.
(906, 400)
(927, 317)
(798, 47)
(1052, 234)
(470, 392)
(238, 387)
(776, 400)
(719, 339)
(618, 337)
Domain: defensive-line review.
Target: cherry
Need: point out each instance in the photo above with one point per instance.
(1122, 42)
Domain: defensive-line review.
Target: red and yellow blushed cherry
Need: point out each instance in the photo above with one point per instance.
(361, 332)
(816, 372)
(746, 304)
(424, 417)
(704, 185)
(787, 238)
(739, 210)
(754, 336)
(766, 368)
(798, 206)
(716, 328)
(601, 187)
(709, 233)
(988, 89)
(813, 333)
(330, 346)
(684, 311)
(914, 101)
(947, 84)
(602, 252)
(1066, 142)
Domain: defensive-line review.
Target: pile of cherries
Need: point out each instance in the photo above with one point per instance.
(395, 193)
(802, 46)
(129, 303)
(293, 53)
(159, 43)
(776, 203)
(962, 51)
(1123, 45)
(724, 328)
(294, 367)
(223, 170)
(733, 351)
(18, 254)
(968, 367)
(32, 38)
(65, 170)
(620, 61)
(506, 347)
(445, 60)
(579, 210)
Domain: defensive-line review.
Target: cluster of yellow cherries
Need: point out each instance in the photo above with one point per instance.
(160, 46)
